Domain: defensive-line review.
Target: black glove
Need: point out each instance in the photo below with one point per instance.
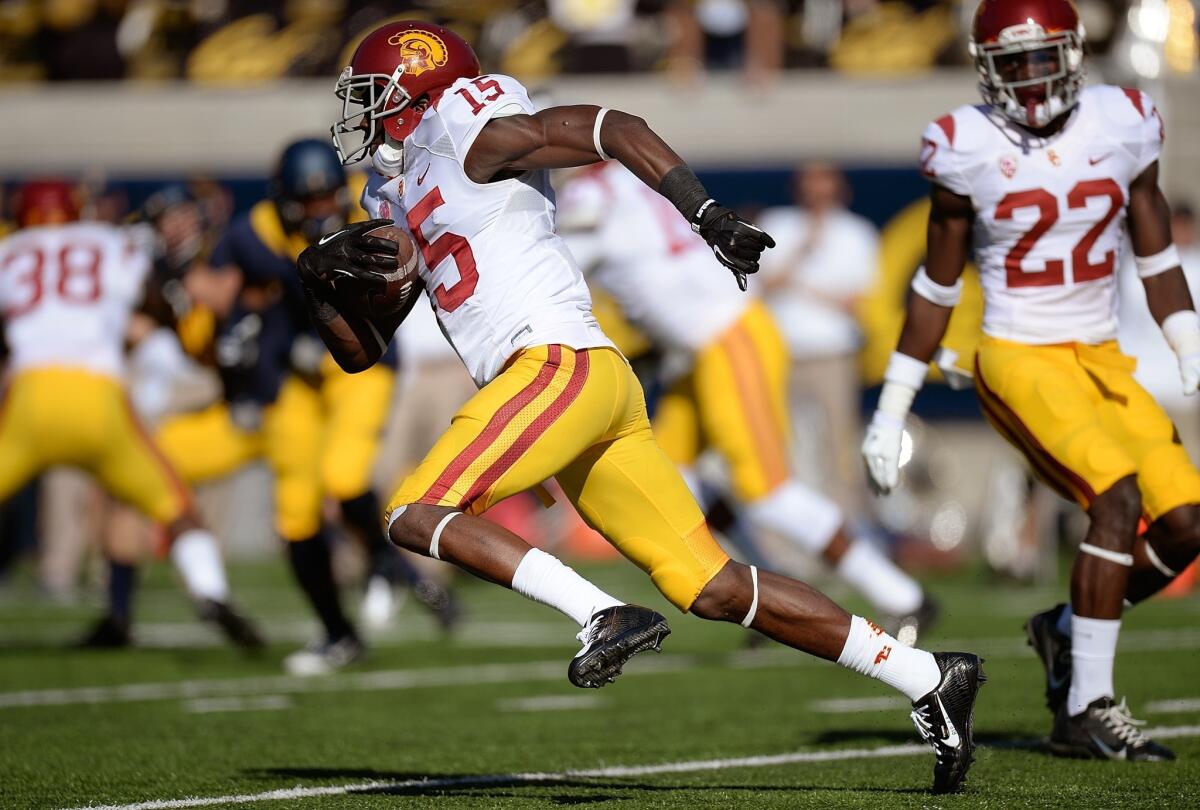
(348, 253)
(735, 242)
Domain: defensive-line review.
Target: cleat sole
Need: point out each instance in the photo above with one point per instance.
(603, 666)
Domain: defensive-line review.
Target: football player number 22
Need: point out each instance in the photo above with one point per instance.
(1082, 268)
(72, 274)
(448, 244)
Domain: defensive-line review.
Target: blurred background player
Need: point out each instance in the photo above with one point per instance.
(826, 259)
(731, 389)
(1039, 182)
(317, 427)
(69, 292)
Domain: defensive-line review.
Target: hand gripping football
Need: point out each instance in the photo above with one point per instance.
(381, 293)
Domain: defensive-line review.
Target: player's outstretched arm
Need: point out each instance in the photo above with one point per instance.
(356, 342)
(935, 290)
(561, 137)
(1158, 265)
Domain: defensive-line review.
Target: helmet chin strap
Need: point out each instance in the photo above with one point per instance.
(387, 159)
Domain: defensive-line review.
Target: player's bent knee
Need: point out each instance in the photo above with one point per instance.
(1179, 542)
(727, 596)
(417, 527)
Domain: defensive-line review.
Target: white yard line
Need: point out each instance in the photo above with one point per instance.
(550, 703)
(1178, 706)
(612, 772)
(263, 703)
(855, 705)
(476, 674)
(617, 771)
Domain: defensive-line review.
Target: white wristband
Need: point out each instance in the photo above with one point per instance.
(903, 379)
(1160, 262)
(936, 293)
(603, 111)
(1182, 331)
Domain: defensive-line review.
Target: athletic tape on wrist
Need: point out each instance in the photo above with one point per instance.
(934, 292)
(437, 534)
(1160, 262)
(603, 111)
(1182, 331)
(1104, 554)
(746, 622)
(1157, 562)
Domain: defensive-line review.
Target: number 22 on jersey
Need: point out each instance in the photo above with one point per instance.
(1053, 273)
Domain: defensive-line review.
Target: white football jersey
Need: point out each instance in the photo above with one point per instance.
(499, 277)
(1049, 212)
(634, 244)
(66, 294)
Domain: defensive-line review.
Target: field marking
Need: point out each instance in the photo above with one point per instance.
(855, 705)
(1177, 706)
(479, 674)
(550, 703)
(611, 772)
(263, 703)
(380, 680)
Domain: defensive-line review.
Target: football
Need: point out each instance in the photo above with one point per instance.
(386, 293)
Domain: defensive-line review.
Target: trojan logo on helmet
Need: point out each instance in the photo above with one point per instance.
(419, 51)
(1029, 55)
(392, 69)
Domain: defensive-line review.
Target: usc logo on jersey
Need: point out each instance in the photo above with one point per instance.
(420, 51)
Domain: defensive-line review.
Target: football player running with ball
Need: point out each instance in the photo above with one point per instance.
(461, 162)
(1039, 181)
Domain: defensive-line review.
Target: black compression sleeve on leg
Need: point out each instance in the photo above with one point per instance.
(684, 190)
(122, 582)
(313, 570)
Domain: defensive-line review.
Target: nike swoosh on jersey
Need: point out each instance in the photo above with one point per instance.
(951, 737)
(421, 179)
(1092, 161)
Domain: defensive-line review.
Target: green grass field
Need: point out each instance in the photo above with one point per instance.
(487, 719)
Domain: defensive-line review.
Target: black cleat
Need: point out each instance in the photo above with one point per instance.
(1104, 730)
(613, 636)
(1054, 649)
(108, 633)
(909, 629)
(240, 631)
(945, 718)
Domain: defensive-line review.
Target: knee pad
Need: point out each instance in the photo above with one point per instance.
(802, 515)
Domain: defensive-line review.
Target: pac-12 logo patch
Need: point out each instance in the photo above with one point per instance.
(420, 51)
(1008, 166)
(385, 210)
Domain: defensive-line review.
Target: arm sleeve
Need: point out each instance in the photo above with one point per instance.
(940, 161)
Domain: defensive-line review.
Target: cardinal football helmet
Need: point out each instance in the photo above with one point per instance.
(1029, 54)
(392, 68)
(46, 202)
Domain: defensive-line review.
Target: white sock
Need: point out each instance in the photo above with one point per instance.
(198, 560)
(802, 515)
(1093, 647)
(888, 589)
(874, 653)
(1064, 621)
(544, 579)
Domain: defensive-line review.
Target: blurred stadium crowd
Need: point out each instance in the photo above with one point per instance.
(242, 41)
